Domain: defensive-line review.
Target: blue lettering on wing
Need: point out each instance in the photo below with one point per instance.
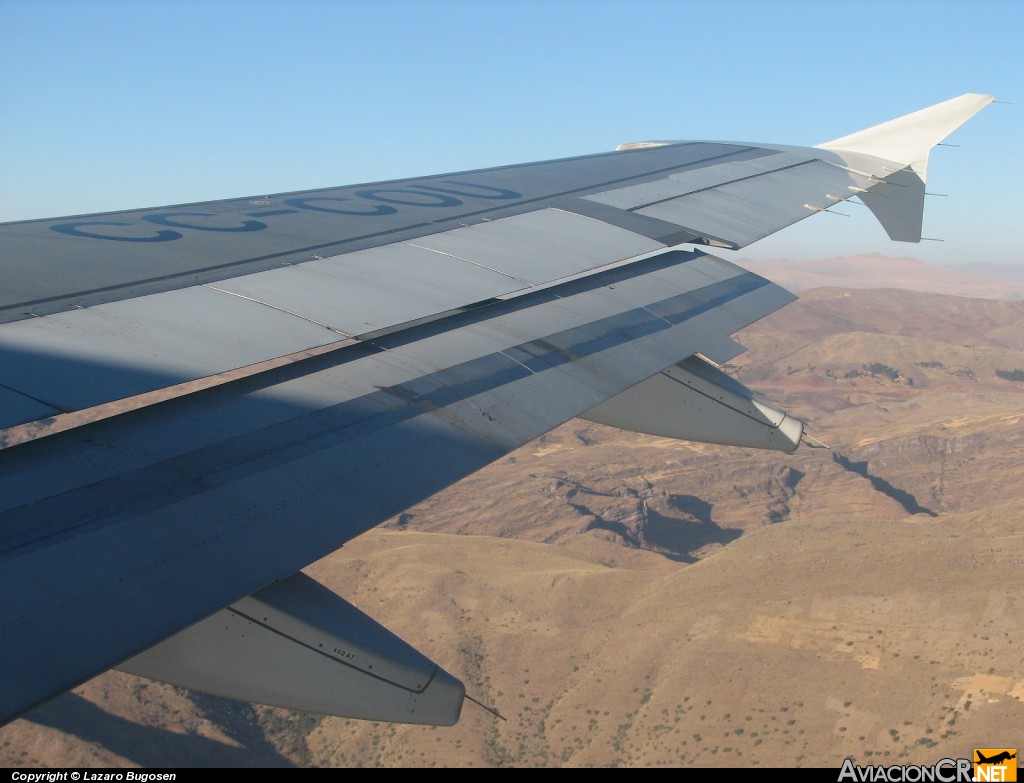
(414, 196)
(271, 212)
(164, 219)
(72, 229)
(438, 200)
(498, 193)
(306, 203)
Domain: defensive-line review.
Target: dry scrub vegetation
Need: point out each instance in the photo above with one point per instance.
(626, 600)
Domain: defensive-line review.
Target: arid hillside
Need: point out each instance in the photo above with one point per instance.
(626, 600)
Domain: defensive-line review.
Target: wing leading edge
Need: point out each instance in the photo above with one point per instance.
(259, 403)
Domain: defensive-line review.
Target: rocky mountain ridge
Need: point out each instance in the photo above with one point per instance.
(627, 600)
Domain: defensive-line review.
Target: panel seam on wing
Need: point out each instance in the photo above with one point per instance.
(468, 261)
(68, 420)
(279, 309)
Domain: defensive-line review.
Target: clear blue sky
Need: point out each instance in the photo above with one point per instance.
(107, 104)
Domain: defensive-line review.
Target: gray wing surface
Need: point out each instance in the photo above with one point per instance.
(198, 401)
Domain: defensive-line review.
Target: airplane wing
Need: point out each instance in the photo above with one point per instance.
(197, 401)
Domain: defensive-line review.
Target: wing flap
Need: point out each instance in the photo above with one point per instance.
(139, 534)
(133, 346)
(130, 347)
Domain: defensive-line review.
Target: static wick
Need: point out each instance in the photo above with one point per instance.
(824, 209)
(860, 191)
(944, 195)
(813, 442)
(491, 710)
(932, 239)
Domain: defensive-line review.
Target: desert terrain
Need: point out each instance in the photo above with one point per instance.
(628, 600)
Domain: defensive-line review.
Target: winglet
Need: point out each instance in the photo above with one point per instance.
(910, 138)
(907, 141)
